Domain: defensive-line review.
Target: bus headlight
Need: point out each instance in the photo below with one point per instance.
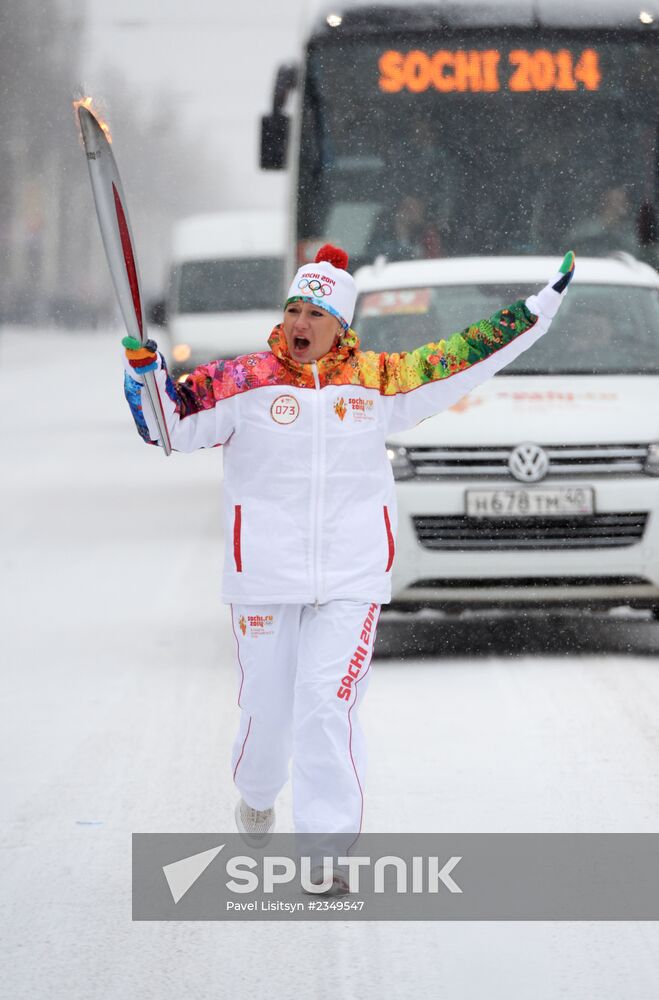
(400, 463)
(651, 467)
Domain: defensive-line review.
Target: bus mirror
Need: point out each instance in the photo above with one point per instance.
(274, 141)
(285, 82)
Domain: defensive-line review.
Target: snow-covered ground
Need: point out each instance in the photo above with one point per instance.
(119, 711)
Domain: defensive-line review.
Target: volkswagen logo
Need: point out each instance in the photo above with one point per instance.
(528, 463)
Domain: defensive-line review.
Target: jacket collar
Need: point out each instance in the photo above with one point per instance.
(328, 365)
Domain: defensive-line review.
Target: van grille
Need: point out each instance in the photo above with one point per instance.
(471, 533)
(564, 460)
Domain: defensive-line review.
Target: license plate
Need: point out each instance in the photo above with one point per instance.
(529, 502)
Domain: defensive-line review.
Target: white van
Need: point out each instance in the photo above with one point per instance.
(226, 285)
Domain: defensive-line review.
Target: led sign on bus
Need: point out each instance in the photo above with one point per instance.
(479, 70)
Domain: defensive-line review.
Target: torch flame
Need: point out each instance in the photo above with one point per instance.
(88, 103)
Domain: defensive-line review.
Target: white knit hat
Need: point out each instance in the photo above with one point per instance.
(327, 284)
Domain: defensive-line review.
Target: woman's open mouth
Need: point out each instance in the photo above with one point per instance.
(301, 343)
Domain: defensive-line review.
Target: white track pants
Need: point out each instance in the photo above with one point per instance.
(303, 671)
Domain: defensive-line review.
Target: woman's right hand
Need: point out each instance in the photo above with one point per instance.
(141, 357)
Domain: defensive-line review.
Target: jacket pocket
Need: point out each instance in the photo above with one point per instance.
(390, 540)
(237, 530)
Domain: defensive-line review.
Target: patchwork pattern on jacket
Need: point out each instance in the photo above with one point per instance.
(390, 374)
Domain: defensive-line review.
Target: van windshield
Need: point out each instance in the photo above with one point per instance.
(600, 329)
(209, 286)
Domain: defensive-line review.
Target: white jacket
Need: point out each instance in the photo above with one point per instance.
(310, 503)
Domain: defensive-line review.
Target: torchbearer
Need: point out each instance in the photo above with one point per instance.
(310, 521)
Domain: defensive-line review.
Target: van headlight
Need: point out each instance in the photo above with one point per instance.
(400, 463)
(651, 466)
(181, 352)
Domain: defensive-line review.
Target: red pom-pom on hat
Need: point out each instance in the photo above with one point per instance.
(333, 255)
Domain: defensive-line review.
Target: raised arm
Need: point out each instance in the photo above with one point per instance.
(431, 378)
(198, 413)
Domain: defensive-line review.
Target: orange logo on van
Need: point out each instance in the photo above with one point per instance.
(466, 403)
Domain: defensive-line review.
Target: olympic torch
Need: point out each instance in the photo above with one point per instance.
(112, 213)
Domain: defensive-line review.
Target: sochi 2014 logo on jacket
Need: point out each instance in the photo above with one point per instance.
(285, 409)
(340, 408)
(359, 408)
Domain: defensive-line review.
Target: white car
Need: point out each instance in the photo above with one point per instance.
(541, 487)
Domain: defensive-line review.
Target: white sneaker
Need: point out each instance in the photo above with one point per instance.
(339, 887)
(255, 825)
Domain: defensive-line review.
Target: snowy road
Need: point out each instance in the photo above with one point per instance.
(119, 711)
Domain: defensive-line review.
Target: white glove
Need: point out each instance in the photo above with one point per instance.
(547, 302)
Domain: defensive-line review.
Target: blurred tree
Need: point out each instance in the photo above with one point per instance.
(52, 266)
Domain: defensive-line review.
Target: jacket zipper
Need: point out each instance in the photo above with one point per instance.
(315, 491)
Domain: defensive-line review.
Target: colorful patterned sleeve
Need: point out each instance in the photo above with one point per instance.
(194, 417)
(433, 377)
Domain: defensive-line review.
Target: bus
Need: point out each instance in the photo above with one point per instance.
(428, 129)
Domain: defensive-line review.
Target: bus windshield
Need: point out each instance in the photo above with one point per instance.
(600, 329)
(444, 145)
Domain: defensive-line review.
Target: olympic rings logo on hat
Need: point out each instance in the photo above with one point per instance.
(317, 288)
